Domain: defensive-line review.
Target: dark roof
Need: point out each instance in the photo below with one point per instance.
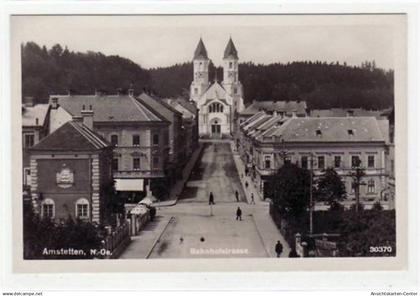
(115, 108)
(327, 129)
(200, 51)
(342, 112)
(280, 106)
(72, 136)
(158, 105)
(230, 50)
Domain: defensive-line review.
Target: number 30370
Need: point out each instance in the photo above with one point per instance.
(381, 249)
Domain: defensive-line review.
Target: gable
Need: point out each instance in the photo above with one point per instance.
(215, 93)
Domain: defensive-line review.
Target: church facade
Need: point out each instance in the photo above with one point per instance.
(219, 103)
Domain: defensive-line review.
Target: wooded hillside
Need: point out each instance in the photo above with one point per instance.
(322, 85)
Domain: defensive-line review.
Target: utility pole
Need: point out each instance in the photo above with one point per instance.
(311, 210)
(357, 176)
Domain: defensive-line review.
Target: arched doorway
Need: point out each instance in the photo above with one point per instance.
(216, 131)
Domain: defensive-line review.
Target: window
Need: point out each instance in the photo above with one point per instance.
(371, 161)
(318, 133)
(337, 161)
(235, 90)
(136, 140)
(215, 108)
(196, 91)
(304, 162)
(155, 162)
(82, 208)
(230, 65)
(115, 164)
(29, 141)
(267, 162)
(47, 209)
(114, 140)
(321, 162)
(350, 132)
(136, 163)
(355, 161)
(371, 186)
(155, 139)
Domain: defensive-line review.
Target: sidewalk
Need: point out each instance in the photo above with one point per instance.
(251, 186)
(179, 185)
(142, 244)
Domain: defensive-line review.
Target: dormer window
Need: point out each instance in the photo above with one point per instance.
(350, 132)
(318, 132)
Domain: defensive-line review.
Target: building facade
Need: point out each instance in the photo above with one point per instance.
(316, 144)
(218, 104)
(139, 135)
(70, 171)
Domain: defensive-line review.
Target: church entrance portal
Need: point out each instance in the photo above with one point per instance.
(216, 130)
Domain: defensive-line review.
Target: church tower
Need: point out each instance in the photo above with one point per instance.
(231, 82)
(200, 81)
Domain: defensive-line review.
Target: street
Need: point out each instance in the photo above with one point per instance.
(194, 229)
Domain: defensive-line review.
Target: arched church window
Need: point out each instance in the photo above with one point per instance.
(210, 109)
(221, 108)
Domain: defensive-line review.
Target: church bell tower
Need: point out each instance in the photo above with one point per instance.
(200, 81)
(231, 82)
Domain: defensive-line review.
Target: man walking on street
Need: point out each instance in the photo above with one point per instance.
(239, 214)
(252, 199)
(211, 199)
(279, 249)
(237, 195)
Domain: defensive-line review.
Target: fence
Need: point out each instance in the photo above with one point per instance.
(117, 240)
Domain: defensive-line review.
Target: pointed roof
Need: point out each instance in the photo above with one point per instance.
(200, 51)
(72, 136)
(230, 50)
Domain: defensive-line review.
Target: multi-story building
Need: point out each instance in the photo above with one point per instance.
(139, 135)
(176, 134)
(323, 142)
(70, 172)
(35, 126)
(189, 123)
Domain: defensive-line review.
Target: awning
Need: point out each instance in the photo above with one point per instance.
(129, 184)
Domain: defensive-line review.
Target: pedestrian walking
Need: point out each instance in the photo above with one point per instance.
(152, 213)
(237, 195)
(239, 214)
(211, 199)
(252, 199)
(279, 248)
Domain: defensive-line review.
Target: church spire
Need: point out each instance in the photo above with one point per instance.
(230, 50)
(200, 51)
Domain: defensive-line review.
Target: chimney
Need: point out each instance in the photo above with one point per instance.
(131, 92)
(87, 116)
(28, 101)
(350, 113)
(37, 121)
(54, 103)
(119, 91)
(77, 118)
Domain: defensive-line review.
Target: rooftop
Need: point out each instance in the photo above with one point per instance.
(72, 136)
(110, 108)
(327, 129)
(230, 50)
(299, 107)
(200, 52)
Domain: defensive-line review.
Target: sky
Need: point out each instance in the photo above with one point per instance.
(159, 41)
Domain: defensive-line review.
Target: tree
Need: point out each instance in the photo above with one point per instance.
(330, 188)
(289, 189)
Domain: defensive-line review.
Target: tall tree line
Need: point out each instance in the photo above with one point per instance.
(320, 84)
